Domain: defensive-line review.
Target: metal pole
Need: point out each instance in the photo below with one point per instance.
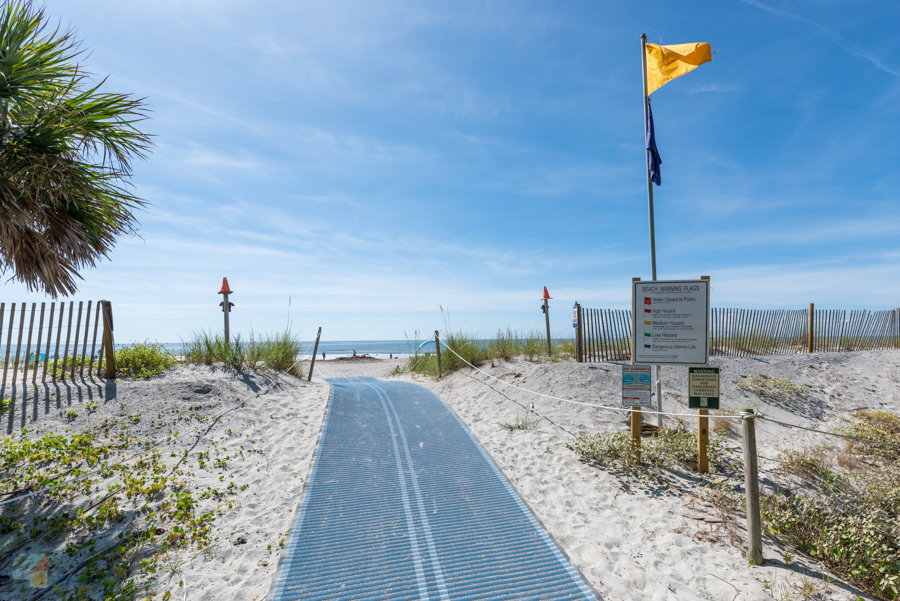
(751, 487)
(547, 316)
(312, 364)
(659, 417)
(225, 310)
(647, 158)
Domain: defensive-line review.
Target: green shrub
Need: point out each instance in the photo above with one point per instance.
(143, 360)
(855, 544)
(667, 449)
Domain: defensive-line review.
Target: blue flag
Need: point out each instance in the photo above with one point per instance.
(653, 160)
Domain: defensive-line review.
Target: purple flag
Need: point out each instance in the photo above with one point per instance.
(653, 160)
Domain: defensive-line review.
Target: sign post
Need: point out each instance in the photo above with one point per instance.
(226, 306)
(546, 309)
(703, 395)
(636, 393)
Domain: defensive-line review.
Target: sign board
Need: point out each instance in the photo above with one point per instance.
(670, 322)
(703, 387)
(635, 386)
(575, 316)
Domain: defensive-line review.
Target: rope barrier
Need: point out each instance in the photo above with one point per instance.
(156, 446)
(611, 408)
(595, 406)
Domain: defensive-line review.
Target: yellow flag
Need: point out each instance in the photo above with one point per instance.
(665, 63)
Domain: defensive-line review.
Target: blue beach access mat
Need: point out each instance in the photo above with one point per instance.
(403, 503)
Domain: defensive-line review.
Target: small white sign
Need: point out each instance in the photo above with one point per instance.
(575, 316)
(670, 322)
(636, 386)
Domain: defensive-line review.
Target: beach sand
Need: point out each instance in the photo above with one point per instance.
(630, 538)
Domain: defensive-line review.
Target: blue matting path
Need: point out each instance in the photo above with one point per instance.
(403, 503)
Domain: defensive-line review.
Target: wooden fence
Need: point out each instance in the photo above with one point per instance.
(605, 334)
(50, 354)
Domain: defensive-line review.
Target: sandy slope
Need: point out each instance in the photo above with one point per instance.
(630, 539)
(281, 427)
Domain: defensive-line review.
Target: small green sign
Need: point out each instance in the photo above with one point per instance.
(703, 387)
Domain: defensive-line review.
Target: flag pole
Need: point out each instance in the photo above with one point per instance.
(650, 209)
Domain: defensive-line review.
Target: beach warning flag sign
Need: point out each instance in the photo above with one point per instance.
(646, 300)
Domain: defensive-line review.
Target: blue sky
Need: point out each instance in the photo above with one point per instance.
(375, 161)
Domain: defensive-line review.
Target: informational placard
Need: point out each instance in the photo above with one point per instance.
(575, 316)
(670, 322)
(703, 387)
(635, 386)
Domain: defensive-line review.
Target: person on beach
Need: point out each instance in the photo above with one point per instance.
(392, 355)
(354, 352)
(323, 355)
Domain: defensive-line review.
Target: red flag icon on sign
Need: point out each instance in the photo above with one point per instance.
(647, 311)
(646, 300)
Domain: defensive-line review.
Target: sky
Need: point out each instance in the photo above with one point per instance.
(382, 168)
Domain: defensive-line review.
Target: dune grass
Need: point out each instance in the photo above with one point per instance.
(275, 352)
(471, 350)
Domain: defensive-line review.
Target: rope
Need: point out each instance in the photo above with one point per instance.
(595, 406)
(611, 408)
(160, 444)
(787, 425)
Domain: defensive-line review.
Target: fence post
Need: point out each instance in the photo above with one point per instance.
(312, 363)
(751, 487)
(437, 344)
(812, 326)
(109, 343)
(579, 353)
(702, 440)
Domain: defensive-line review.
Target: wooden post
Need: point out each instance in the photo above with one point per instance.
(94, 342)
(77, 332)
(37, 349)
(579, 354)
(812, 325)
(62, 309)
(109, 343)
(636, 432)
(49, 336)
(12, 316)
(751, 486)
(28, 348)
(312, 363)
(87, 330)
(19, 343)
(702, 440)
(437, 344)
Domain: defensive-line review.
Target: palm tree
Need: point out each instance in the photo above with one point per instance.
(65, 156)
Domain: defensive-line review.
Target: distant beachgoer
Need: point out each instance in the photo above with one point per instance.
(392, 355)
(354, 353)
(323, 355)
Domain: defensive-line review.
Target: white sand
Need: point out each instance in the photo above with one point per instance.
(629, 539)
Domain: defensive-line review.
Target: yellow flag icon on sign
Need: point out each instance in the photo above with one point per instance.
(665, 63)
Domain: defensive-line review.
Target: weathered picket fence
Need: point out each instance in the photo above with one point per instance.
(50, 355)
(605, 334)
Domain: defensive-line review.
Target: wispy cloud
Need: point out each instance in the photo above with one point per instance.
(851, 47)
(713, 88)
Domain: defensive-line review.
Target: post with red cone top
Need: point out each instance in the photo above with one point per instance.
(226, 306)
(546, 309)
